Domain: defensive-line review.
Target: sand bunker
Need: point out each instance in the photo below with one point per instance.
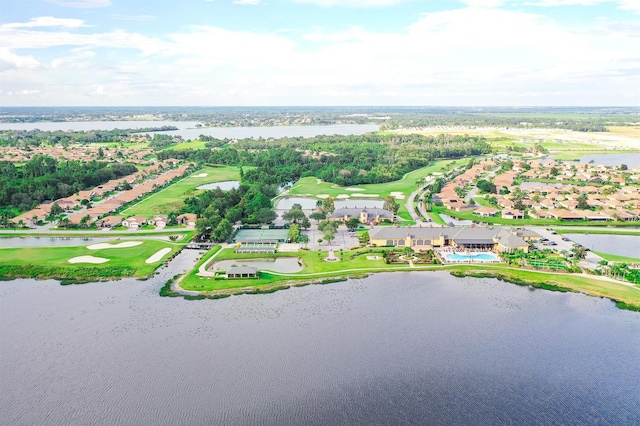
(342, 196)
(353, 189)
(397, 195)
(318, 181)
(322, 196)
(369, 195)
(88, 259)
(158, 255)
(202, 175)
(119, 245)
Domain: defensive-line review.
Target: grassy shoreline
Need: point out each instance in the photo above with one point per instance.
(316, 271)
(54, 262)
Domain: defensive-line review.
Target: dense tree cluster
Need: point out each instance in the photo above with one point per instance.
(44, 178)
(34, 138)
(344, 160)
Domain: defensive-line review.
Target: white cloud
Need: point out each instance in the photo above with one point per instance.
(46, 21)
(251, 2)
(473, 55)
(10, 60)
(352, 3)
(82, 4)
(483, 3)
(632, 5)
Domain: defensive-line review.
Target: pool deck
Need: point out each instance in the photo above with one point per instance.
(444, 256)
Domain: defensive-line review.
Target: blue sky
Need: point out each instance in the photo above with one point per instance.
(319, 52)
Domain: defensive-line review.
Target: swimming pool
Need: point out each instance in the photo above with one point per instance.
(476, 257)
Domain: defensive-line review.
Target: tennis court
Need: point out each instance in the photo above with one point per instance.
(256, 236)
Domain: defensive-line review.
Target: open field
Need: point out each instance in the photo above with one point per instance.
(192, 144)
(561, 144)
(356, 262)
(626, 131)
(53, 262)
(171, 198)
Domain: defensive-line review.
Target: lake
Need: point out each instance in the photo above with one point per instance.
(31, 241)
(622, 245)
(630, 159)
(401, 348)
(275, 132)
(188, 130)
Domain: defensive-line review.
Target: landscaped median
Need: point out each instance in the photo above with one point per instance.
(86, 263)
(358, 263)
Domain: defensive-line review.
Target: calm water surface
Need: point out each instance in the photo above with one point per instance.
(188, 130)
(404, 348)
(630, 159)
(30, 241)
(622, 245)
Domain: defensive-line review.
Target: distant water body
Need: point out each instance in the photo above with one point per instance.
(188, 130)
(401, 348)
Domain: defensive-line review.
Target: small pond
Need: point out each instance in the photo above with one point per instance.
(19, 242)
(287, 203)
(225, 186)
(622, 245)
(454, 221)
(279, 264)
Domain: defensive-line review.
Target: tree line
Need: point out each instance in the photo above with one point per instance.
(45, 178)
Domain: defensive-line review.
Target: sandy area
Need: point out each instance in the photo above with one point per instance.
(157, 256)
(353, 189)
(124, 244)
(322, 196)
(88, 259)
(397, 195)
(342, 196)
(202, 175)
(369, 195)
(318, 181)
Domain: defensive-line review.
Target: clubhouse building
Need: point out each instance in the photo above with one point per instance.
(484, 239)
(366, 215)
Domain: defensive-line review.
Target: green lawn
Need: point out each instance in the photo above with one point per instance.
(616, 258)
(194, 144)
(54, 261)
(310, 187)
(171, 198)
(356, 263)
(314, 267)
